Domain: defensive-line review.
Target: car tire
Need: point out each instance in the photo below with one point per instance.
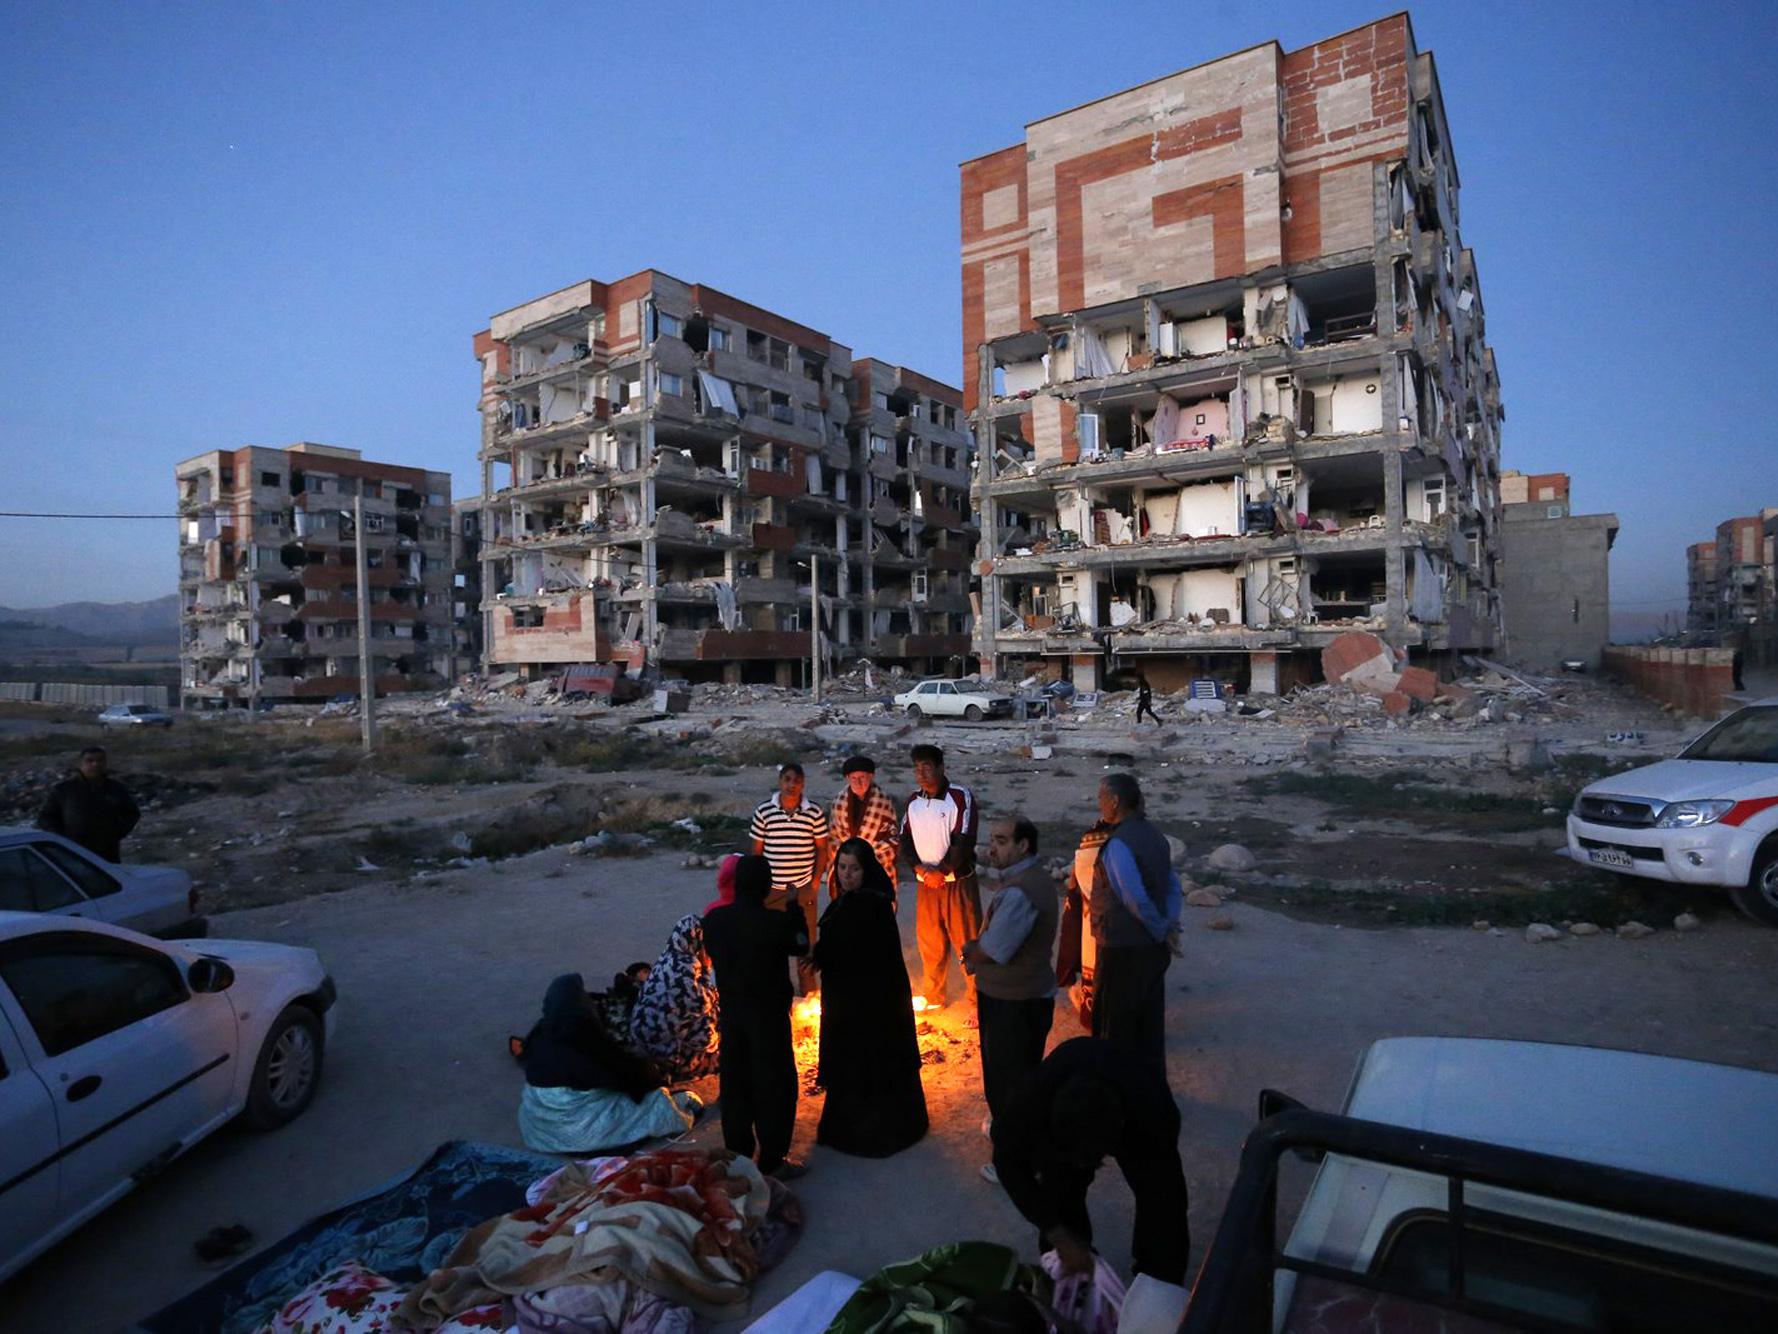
(913, 710)
(1758, 898)
(973, 713)
(288, 1070)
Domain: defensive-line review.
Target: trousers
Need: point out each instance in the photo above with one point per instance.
(800, 898)
(757, 1073)
(1013, 1035)
(945, 920)
(1130, 999)
(1161, 1244)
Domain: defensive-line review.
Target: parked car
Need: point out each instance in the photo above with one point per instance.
(954, 699)
(44, 872)
(1488, 1185)
(118, 1053)
(134, 715)
(1707, 817)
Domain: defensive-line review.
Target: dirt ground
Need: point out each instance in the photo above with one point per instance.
(1387, 898)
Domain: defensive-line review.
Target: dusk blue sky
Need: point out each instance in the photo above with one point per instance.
(230, 224)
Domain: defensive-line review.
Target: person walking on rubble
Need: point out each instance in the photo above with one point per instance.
(864, 811)
(1145, 700)
(791, 833)
(748, 943)
(1133, 905)
(938, 833)
(91, 808)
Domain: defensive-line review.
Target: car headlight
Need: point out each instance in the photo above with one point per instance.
(1692, 814)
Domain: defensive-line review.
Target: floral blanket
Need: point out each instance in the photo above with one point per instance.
(402, 1231)
(680, 1223)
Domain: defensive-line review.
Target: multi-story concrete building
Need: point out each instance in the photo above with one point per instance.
(1746, 590)
(1225, 354)
(1555, 573)
(679, 480)
(466, 582)
(268, 575)
(1700, 589)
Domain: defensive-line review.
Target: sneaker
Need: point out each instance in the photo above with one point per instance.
(789, 1170)
(990, 1175)
(988, 1126)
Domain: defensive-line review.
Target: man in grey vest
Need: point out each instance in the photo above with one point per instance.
(1134, 911)
(1011, 960)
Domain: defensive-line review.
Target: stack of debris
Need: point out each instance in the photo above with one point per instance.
(1364, 662)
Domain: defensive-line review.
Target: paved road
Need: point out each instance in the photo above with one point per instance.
(432, 978)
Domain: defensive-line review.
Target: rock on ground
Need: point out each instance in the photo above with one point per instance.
(1583, 929)
(1221, 923)
(1538, 932)
(1686, 922)
(1203, 898)
(1634, 931)
(1176, 848)
(1232, 857)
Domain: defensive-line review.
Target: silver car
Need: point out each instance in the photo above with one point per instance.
(44, 872)
(134, 715)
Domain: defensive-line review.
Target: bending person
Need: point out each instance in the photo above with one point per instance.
(583, 1091)
(870, 1057)
(674, 1017)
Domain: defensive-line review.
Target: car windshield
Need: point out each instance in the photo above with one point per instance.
(1750, 736)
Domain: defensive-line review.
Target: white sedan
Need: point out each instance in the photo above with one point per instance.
(953, 699)
(44, 872)
(119, 1052)
(134, 715)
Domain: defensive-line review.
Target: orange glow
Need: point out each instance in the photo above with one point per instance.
(806, 1011)
(919, 1004)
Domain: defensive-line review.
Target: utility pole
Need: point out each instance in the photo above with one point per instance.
(367, 685)
(815, 623)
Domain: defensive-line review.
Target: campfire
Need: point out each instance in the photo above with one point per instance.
(805, 1035)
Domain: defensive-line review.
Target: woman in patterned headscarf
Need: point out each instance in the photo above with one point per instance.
(674, 1017)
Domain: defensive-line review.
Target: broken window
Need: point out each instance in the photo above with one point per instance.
(268, 479)
(719, 338)
(527, 618)
(669, 326)
(756, 345)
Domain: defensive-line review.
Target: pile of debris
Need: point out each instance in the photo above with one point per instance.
(23, 792)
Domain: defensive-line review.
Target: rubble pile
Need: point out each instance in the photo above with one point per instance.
(23, 792)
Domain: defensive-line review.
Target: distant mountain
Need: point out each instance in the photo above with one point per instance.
(153, 622)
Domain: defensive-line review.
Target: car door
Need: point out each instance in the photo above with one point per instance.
(136, 1064)
(30, 1174)
(948, 703)
(30, 884)
(98, 888)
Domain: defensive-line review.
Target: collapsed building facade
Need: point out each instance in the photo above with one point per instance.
(684, 482)
(268, 590)
(1225, 356)
(1732, 587)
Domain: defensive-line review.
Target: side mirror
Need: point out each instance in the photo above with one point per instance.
(208, 974)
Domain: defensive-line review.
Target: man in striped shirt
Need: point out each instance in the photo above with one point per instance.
(792, 834)
(938, 831)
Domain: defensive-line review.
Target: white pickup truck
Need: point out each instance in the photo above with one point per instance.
(1709, 816)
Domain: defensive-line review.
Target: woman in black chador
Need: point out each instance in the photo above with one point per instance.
(870, 1058)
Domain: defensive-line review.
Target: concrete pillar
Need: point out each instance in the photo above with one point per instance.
(784, 673)
(987, 626)
(1263, 673)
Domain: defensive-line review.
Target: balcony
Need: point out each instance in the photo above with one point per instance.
(769, 482)
(733, 645)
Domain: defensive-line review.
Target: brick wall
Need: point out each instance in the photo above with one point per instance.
(1694, 681)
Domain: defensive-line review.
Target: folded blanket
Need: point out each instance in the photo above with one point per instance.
(675, 1222)
(585, 1121)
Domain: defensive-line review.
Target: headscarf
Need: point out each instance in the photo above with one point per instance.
(674, 1018)
(725, 883)
(876, 879)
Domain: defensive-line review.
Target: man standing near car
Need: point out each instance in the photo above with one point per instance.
(938, 831)
(791, 833)
(91, 808)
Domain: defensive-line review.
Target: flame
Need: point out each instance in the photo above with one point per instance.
(807, 1010)
(920, 1004)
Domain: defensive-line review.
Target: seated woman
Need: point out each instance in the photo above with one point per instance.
(673, 1019)
(583, 1091)
(870, 1057)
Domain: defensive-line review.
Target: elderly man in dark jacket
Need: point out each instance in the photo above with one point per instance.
(1133, 907)
(92, 808)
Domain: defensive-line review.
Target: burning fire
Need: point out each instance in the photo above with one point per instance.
(806, 1012)
(920, 1004)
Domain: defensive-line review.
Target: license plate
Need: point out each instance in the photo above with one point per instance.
(1610, 857)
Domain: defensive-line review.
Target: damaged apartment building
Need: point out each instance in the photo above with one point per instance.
(688, 484)
(1225, 356)
(268, 591)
